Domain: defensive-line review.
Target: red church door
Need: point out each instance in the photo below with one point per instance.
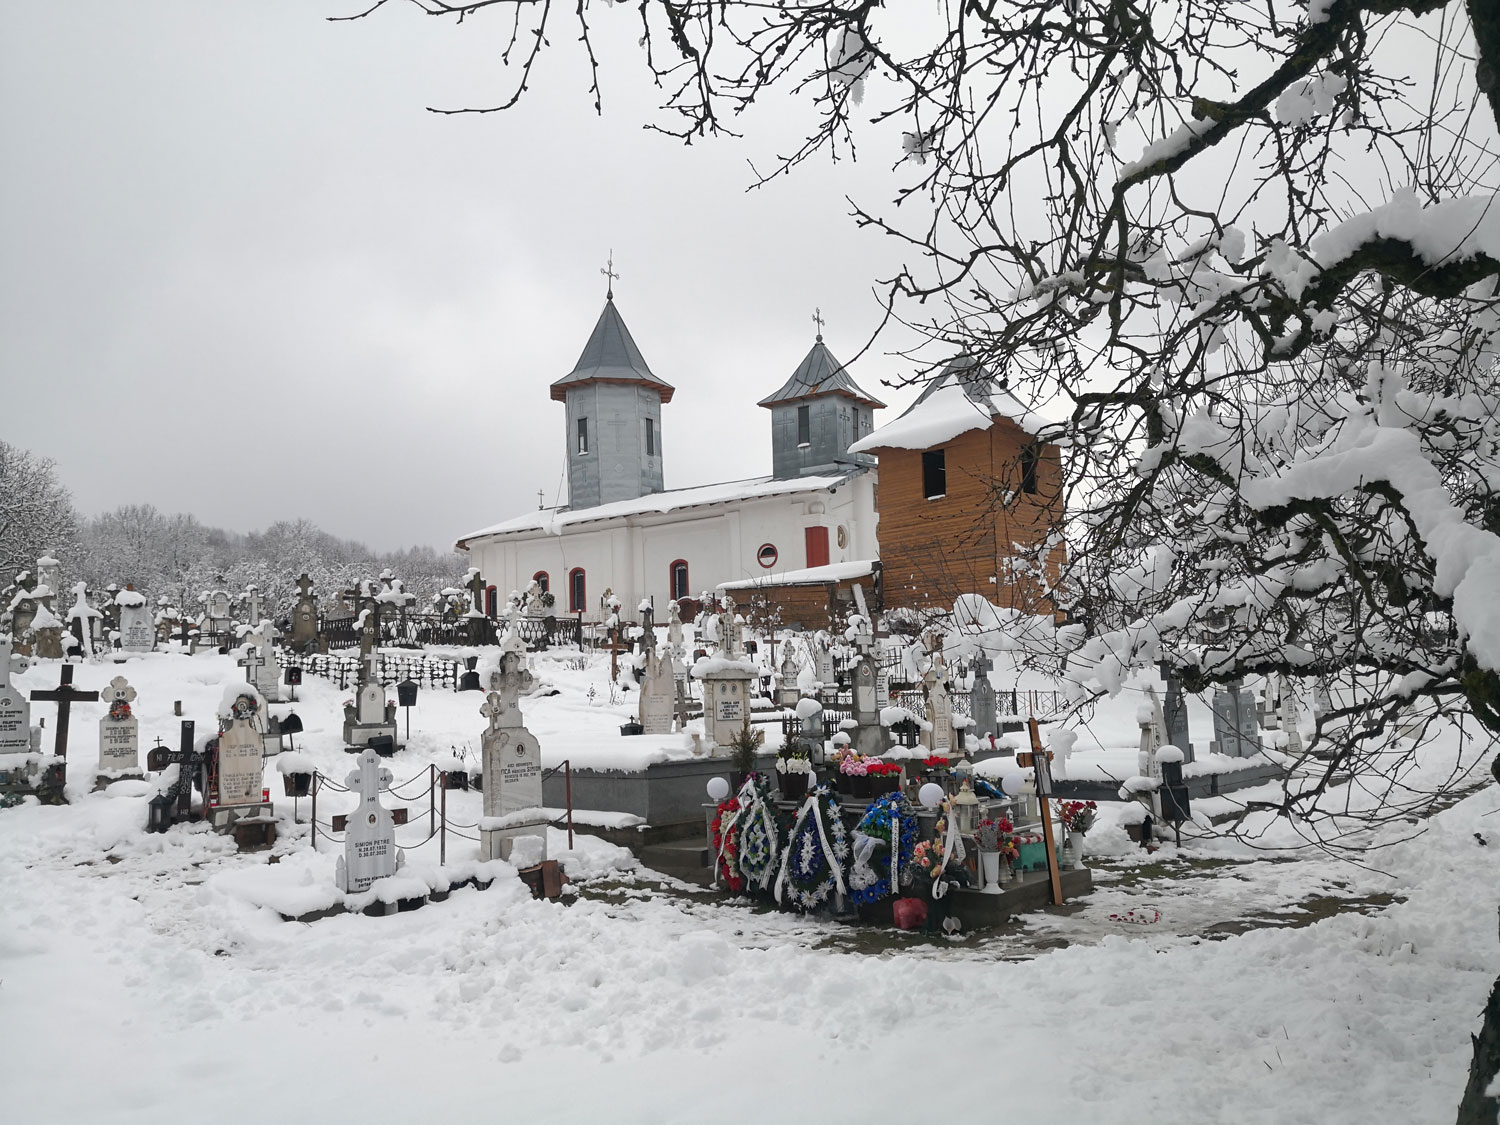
(817, 546)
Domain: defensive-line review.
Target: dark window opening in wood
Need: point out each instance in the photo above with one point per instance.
(577, 591)
(854, 430)
(934, 474)
(804, 425)
(491, 602)
(650, 437)
(677, 580)
(1029, 458)
(541, 579)
(583, 435)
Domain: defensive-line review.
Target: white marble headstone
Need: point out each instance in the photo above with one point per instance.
(241, 758)
(137, 628)
(370, 850)
(512, 773)
(119, 731)
(658, 694)
(15, 709)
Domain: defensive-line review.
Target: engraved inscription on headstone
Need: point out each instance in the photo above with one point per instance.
(119, 731)
(370, 850)
(240, 758)
(15, 711)
(657, 692)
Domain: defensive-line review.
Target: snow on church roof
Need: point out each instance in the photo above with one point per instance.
(961, 399)
(819, 374)
(809, 576)
(611, 356)
(554, 521)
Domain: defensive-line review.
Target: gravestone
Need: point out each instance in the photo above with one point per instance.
(369, 717)
(119, 733)
(1175, 716)
(868, 737)
(512, 768)
(236, 773)
(1235, 731)
(982, 707)
(731, 632)
(1291, 719)
(15, 711)
(825, 671)
(137, 628)
(939, 706)
(82, 621)
(305, 617)
(266, 674)
(47, 633)
(370, 850)
(217, 613)
(658, 689)
(726, 701)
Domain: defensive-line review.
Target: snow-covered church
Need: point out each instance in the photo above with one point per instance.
(812, 519)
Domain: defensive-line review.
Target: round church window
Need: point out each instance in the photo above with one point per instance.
(767, 555)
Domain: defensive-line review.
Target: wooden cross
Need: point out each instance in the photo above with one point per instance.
(609, 272)
(304, 584)
(183, 627)
(819, 321)
(64, 695)
(1042, 760)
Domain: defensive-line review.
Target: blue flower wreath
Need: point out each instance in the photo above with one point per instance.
(877, 823)
(817, 850)
(760, 836)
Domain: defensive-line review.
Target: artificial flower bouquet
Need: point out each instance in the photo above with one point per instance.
(996, 836)
(1078, 816)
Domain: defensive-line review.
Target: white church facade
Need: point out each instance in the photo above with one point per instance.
(623, 531)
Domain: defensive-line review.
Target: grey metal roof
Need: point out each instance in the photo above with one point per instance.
(610, 356)
(819, 374)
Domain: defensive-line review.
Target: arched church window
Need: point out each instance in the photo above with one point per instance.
(677, 580)
(491, 602)
(578, 599)
(541, 579)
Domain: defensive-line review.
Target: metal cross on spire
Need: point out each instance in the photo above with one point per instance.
(609, 272)
(819, 321)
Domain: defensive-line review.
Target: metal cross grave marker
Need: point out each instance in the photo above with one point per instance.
(64, 695)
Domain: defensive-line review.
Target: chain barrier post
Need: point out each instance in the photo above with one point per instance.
(568, 782)
(316, 775)
(443, 839)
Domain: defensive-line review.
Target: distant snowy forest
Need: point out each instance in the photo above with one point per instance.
(176, 556)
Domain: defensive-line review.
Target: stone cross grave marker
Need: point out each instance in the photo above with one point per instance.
(1174, 714)
(508, 683)
(658, 689)
(64, 695)
(238, 772)
(267, 675)
(370, 850)
(304, 616)
(1291, 719)
(939, 706)
(1235, 730)
(982, 698)
(119, 732)
(512, 775)
(15, 712)
(252, 605)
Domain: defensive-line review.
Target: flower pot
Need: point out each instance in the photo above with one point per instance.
(793, 786)
(1074, 848)
(455, 779)
(881, 784)
(989, 869)
(856, 785)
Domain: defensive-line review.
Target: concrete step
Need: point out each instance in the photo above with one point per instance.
(688, 859)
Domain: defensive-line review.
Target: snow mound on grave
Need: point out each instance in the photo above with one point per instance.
(1169, 754)
(807, 708)
(232, 691)
(130, 598)
(294, 761)
(712, 665)
(890, 716)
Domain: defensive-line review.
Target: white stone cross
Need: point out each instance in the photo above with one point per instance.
(371, 661)
(10, 664)
(250, 661)
(511, 682)
(492, 709)
(369, 778)
(119, 691)
(252, 604)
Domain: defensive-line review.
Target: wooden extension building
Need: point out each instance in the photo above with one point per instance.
(967, 500)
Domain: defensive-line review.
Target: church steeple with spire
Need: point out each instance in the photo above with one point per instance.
(817, 415)
(614, 406)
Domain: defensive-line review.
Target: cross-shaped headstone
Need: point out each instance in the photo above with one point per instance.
(252, 604)
(184, 628)
(119, 691)
(64, 695)
(10, 664)
(492, 708)
(369, 778)
(159, 758)
(511, 682)
(369, 672)
(251, 660)
(609, 272)
(304, 584)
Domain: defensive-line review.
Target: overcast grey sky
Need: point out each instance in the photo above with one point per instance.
(245, 274)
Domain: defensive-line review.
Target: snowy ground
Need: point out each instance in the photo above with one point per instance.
(139, 980)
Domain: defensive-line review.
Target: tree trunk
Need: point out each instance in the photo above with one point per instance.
(1476, 1109)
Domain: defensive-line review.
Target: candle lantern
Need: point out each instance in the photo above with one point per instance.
(965, 810)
